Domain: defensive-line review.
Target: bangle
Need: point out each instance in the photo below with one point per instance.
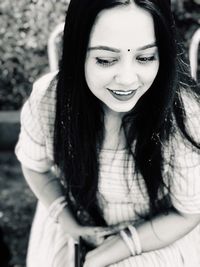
(136, 239)
(59, 210)
(56, 207)
(128, 241)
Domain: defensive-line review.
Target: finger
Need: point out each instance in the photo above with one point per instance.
(105, 231)
(100, 231)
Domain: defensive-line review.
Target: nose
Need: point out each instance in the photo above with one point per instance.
(127, 75)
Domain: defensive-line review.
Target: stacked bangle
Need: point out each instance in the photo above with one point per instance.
(136, 239)
(131, 239)
(56, 208)
(128, 241)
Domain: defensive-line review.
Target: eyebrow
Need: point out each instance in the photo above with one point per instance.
(115, 50)
(102, 47)
(147, 46)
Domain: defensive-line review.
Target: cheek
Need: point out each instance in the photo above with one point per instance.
(89, 75)
(96, 76)
(150, 74)
(93, 80)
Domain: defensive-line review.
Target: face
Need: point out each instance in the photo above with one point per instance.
(122, 58)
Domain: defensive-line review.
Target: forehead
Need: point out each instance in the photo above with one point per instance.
(122, 27)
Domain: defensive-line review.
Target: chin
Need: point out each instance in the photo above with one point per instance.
(122, 109)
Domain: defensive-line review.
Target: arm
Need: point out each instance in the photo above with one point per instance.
(156, 234)
(166, 229)
(47, 190)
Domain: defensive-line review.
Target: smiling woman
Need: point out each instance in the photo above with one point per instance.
(110, 145)
(117, 75)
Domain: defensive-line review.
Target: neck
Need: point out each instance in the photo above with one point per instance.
(114, 135)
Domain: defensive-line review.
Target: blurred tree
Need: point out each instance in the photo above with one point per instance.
(24, 31)
(178, 5)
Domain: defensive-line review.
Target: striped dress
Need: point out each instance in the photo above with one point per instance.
(120, 199)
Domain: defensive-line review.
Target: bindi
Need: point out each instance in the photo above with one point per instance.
(129, 50)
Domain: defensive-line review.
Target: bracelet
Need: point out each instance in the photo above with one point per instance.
(56, 207)
(52, 208)
(128, 241)
(136, 239)
(59, 210)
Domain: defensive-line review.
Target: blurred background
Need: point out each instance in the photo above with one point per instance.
(25, 28)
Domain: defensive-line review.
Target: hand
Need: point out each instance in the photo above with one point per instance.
(112, 250)
(94, 236)
(97, 235)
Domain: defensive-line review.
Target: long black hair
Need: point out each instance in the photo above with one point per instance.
(79, 122)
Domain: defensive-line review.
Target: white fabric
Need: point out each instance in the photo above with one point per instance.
(120, 199)
(35, 148)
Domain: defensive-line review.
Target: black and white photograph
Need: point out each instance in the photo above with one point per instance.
(100, 133)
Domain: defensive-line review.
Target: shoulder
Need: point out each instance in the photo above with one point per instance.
(45, 86)
(42, 100)
(39, 109)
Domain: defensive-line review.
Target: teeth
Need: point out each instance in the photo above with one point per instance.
(122, 92)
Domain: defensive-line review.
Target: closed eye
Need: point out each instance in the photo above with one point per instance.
(146, 59)
(105, 62)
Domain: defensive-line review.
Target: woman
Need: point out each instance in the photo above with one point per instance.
(119, 124)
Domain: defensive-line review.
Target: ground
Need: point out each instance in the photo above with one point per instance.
(16, 208)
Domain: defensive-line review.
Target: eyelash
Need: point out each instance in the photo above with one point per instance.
(108, 63)
(105, 62)
(145, 60)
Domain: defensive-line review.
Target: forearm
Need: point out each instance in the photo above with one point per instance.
(165, 229)
(45, 186)
(160, 232)
(47, 189)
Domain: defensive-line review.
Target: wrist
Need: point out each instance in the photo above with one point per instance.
(115, 251)
(131, 238)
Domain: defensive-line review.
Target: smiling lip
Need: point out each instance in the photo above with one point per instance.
(122, 95)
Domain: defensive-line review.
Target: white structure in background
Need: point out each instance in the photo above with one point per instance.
(52, 47)
(193, 53)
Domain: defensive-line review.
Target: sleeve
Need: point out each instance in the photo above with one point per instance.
(185, 169)
(185, 180)
(31, 146)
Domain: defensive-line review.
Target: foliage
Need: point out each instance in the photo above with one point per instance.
(24, 31)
